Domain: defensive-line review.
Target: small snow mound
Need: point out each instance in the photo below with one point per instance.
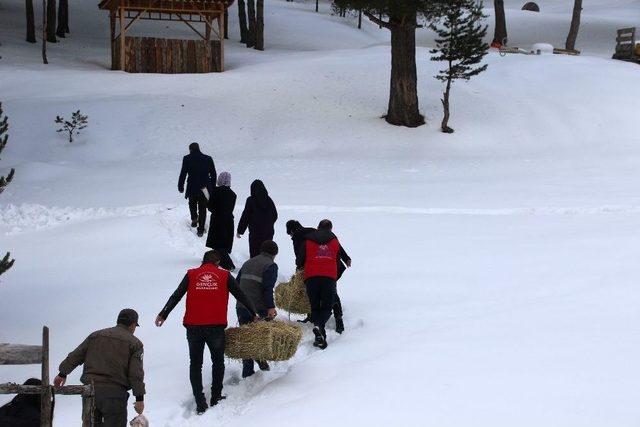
(542, 48)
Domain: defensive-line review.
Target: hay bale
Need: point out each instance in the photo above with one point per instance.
(269, 341)
(292, 295)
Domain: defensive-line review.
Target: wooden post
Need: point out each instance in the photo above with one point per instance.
(207, 30)
(123, 56)
(45, 404)
(221, 38)
(112, 29)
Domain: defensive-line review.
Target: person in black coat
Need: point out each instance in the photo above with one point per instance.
(23, 410)
(199, 171)
(259, 216)
(221, 205)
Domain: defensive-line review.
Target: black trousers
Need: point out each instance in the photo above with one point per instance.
(337, 306)
(322, 293)
(198, 209)
(213, 337)
(110, 408)
(256, 240)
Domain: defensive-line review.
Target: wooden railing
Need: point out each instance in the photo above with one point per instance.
(18, 354)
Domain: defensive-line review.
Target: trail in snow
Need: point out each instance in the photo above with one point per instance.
(26, 217)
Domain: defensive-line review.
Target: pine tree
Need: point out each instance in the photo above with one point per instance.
(72, 127)
(6, 262)
(460, 44)
(401, 18)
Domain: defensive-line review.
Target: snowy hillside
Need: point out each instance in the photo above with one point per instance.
(494, 278)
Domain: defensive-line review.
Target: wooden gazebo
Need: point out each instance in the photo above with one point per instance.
(159, 55)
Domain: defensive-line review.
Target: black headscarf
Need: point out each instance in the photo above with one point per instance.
(259, 194)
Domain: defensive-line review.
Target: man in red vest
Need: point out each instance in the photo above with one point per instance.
(207, 288)
(318, 256)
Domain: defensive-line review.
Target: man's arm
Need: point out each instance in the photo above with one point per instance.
(344, 256)
(244, 219)
(301, 255)
(136, 374)
(74, 359)
(237, 293)
(183, 175)
(175, 298)
(269, 278)
(213, 177)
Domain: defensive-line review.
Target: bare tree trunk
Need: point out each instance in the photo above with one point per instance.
(360, 19)
(500, 31)
(251, 15)
(31, 21)
(51, 21)
(403, 97)
(63, 18)
(575, 26)
(242, 18)
(226, 24)
(44, 32)
(445, 105)
(317, 8)
(260, 24)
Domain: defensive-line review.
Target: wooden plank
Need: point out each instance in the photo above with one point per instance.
(138, 54)
(67, 390)
(17, 354)
(625, 39)
(191, 56)
(627, 30)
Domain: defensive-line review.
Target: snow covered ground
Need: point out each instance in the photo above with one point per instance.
(494, 278)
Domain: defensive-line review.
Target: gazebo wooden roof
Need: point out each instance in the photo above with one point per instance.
(186, 11)
(168, 6)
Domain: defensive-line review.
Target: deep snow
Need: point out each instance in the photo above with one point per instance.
(494, 269)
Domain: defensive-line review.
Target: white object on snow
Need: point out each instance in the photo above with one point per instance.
(542, 48)
(139, 421)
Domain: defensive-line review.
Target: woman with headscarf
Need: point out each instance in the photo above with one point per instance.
(221, 205)
(259, 216)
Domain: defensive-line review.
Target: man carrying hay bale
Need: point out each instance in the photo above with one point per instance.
(318, 257)
(344, 262)
(207, 289)
(256, 279)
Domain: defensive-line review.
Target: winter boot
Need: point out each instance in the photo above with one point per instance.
(194, 223)
(339, 325)
(215, 400)
(321, 338)
(200, 233)
(201, 405)
(264, 366)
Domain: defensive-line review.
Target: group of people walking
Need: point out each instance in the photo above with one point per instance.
(112, 357)
(259, 215)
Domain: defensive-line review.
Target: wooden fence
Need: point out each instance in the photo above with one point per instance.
(170, 56)
(18, 354)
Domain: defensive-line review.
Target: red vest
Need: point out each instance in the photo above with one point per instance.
(321, 259)
(207, 296)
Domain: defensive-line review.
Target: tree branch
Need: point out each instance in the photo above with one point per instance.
(376, 20)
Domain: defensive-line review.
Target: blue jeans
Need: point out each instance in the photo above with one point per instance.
(244, 317)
